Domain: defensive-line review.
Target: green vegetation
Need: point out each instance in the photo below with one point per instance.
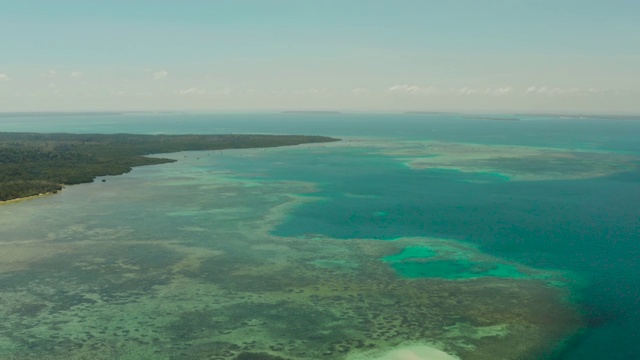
(33, 163)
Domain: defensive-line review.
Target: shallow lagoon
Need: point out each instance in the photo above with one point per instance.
(327, 251)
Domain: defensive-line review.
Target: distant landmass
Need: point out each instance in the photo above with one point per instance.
(55, 113)
(585, 116)
(497, 118)
(425, 112)
(319, 112)
(34, 163)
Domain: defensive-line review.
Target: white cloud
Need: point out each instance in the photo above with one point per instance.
(50, 74)
(358, 91)
(466, 91)
(542, 90)
(315, 91)
(558, 91)
(413, 89)
(158, 75)
(192, 91)
(76, 74)
(124, 93)
(4, 77)
(462, 91)
(500, 91)
(224, 91)
(308, 91)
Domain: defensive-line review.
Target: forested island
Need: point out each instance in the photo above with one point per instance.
(35, 163)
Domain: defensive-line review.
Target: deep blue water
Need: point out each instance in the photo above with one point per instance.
(589, 226)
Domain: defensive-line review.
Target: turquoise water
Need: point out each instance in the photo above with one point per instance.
(424, 262)
(588, 226)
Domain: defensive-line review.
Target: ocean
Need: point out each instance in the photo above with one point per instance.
(437, 236)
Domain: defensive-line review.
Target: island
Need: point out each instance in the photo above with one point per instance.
(582, 116)
(497, 118)
(38, 163)
(312, 112)
(23, 114)
(426, 113)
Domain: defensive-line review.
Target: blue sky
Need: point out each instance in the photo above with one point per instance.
(354, 55)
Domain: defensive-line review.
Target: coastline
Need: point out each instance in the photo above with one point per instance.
(32, 165)
(26, 198)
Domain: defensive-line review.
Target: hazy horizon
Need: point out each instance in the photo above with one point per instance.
(365, 56)
(327, 112)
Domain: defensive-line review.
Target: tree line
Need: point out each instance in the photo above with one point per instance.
(36, 163)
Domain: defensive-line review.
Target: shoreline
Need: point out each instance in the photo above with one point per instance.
(36, 163)
(26, 198)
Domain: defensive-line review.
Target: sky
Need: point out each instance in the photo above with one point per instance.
(574, 56)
